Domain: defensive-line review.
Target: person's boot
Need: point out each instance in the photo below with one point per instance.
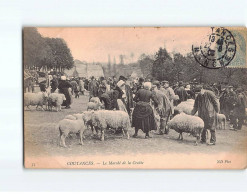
(136, 133)
(213, 138)
(162, 127)
(166, 130)
(204, 136)
(147, 135)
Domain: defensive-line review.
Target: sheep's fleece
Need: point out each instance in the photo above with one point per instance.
(186, 106)
(35, 99)
(109, 118)
(57, 97)
(186, 123)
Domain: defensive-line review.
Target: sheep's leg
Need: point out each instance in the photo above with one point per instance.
(102, 135)
(81, 136)
(181, 135)
(63, 140)
(225, 124)
(92, 129)
(123, 132)
(197, 140)
(127, 133)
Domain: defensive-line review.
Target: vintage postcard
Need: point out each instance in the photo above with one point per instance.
(135, 97)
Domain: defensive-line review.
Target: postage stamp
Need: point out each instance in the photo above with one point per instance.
(219, 49)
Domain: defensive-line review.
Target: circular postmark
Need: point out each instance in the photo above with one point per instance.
(216, 50)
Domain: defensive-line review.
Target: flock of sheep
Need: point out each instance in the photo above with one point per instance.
(101, 120)
(41, 99)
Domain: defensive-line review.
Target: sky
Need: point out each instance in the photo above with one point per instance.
(96, 44)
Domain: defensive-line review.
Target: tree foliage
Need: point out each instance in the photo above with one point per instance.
(45, 52)
(178, 67)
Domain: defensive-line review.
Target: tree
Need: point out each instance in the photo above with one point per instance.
(179, 63)
(162, 66)
(146, 65)
(35, 49)
(61, 55)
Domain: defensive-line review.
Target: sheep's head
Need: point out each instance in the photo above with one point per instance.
(45, 97)
(79, 116)
(87, 116)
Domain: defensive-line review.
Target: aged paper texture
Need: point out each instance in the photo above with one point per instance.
(135, 97)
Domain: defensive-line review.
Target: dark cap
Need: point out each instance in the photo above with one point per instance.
(156, 83)
(180, 83)
(141, 79)
(122, 78)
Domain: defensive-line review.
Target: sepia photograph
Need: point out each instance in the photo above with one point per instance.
(134, 97)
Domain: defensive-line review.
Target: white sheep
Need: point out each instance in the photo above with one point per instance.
(87, 117)
(95, 100)
(186, 107)
(56, 100)
(67, 126)
(35, 99)
(188, 124)
(221, 119)
(75, 116)
(71, 117)
(93, 106)
(103, 119)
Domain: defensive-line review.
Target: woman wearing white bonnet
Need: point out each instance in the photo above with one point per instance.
(120, 103)
(143, 115)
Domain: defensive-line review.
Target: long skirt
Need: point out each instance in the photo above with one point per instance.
(143, 117)
(66, 92)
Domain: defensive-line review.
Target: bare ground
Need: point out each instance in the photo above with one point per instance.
(41, 138)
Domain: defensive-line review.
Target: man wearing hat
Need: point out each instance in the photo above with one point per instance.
(54, 84)
(239, 110)
(163, 108)
(93, 87)
(169, 92)
(231, 102)
(207, 106)
(181, 92)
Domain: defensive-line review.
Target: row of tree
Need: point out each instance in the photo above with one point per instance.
(176, 67)
(45, 53)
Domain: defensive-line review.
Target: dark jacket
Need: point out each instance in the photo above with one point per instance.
(181, 92)
(207, 106)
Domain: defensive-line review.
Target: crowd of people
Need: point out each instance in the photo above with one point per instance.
(150, 103)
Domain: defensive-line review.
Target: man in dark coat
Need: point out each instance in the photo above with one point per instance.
(64, 88)
(207, 106)
(231, 102)
(93, 88)
(239, 110)
(54, 84)
(163, 108)
(181, 92)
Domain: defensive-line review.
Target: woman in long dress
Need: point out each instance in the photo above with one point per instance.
(64, 87)
(143, 115)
